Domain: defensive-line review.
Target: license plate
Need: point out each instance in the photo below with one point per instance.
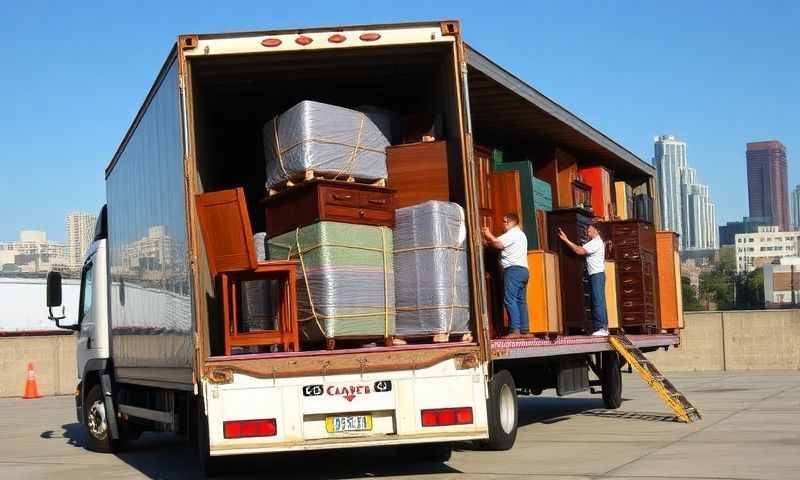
(348, 423)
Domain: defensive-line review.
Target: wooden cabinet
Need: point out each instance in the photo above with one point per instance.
(599, 179)
(418, 172)
(612, 293)
(633, 246)
(506, 199)
(320, 200)
(574, 281)
(624, 200)
(544, 293)
(535, 195)
(670, 298)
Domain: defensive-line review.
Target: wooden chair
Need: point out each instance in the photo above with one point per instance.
(228, 237)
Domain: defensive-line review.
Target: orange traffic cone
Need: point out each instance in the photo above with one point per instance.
(31, 389)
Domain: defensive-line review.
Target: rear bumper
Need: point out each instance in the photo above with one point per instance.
(303, 408)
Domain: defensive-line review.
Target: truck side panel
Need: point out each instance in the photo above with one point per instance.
(150, 295)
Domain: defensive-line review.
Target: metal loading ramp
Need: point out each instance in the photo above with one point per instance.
(677, 401)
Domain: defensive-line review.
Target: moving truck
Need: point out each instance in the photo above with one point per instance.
(148, 328)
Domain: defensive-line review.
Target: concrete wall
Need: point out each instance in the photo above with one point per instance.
(53, 360)
(735, 340)
(746, 340)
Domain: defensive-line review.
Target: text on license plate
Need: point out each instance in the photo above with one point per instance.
(348, 423)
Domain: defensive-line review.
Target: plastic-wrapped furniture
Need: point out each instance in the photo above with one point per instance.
(324, 139)
(430, 265)
(345, 281)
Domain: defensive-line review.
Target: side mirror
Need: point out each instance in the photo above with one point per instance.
(54, 300)
(54, 289)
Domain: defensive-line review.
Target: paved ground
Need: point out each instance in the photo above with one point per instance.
(750, 429)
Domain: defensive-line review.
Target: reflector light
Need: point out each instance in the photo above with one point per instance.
(250, 428)
(441, 417)
(337, 38)
(303, 40)
(370, 37)
(271, 42)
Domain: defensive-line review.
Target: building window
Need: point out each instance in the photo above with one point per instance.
(750, 240)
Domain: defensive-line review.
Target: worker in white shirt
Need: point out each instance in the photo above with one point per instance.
(513, 246)
(595, 253)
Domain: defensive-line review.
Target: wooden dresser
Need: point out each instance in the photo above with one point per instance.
(320, 200)
(633, 246)
(544, 293)
(575, 287)
(670, 295)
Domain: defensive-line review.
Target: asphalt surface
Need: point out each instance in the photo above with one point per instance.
(750, 430)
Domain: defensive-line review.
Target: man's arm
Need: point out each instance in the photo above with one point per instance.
(491, 239)
(575, 248)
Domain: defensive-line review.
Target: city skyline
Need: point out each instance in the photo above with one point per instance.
(33, 252)
(686, 206)
(768, 182)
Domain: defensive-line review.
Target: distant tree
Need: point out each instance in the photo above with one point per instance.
(716, 287)
(690, 301)
(750, 290)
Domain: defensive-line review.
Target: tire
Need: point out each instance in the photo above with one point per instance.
(94, 421)
(502, 411)
(428, 452)
(611, 381)
(210, 467)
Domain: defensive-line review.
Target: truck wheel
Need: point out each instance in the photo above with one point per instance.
(502, 410)
(428, 452)
(94, 420)
(612, 380)
(209, 466)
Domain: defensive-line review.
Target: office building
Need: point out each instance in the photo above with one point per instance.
(782, 282)
(80, 229)
(794, 208)
(727, 233)
(754, 250)
(767, 182)
(686, 207)
(33, 253)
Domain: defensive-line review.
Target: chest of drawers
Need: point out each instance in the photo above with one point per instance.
(326, 200)
(632, 244)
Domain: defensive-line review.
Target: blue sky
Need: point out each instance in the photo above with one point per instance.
(716, 74)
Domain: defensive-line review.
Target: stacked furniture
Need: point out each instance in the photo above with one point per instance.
(599, 179)
(633, 246)
(324, 140)
(418, 172)
(543, 293)
(431, 279)
(624, 200)
(574, 281)
(345, 280)
(327, 200)
(670, 295)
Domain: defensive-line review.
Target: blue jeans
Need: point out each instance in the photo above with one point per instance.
(599, 314)
(516, 298)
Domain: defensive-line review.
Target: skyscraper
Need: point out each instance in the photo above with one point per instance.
(670, 163)
(80, 229)
(794, 209)
(767, 182)
(685, 204)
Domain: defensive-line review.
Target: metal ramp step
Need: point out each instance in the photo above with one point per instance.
(677, 401)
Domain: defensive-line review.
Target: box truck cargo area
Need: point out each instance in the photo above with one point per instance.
(405, 89)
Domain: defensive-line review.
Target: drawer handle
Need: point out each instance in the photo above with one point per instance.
(336, 196)
(377, 201)
(628, 291)
(627, 304)
(627, 280)
(362, 212)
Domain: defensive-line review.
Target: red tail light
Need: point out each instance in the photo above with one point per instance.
(303, 40)
(446, 416)
(271, 42)
(250, 428)
(370, 36)
(337, 38)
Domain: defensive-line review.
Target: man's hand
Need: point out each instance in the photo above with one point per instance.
(562, 235)
(486, 232)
